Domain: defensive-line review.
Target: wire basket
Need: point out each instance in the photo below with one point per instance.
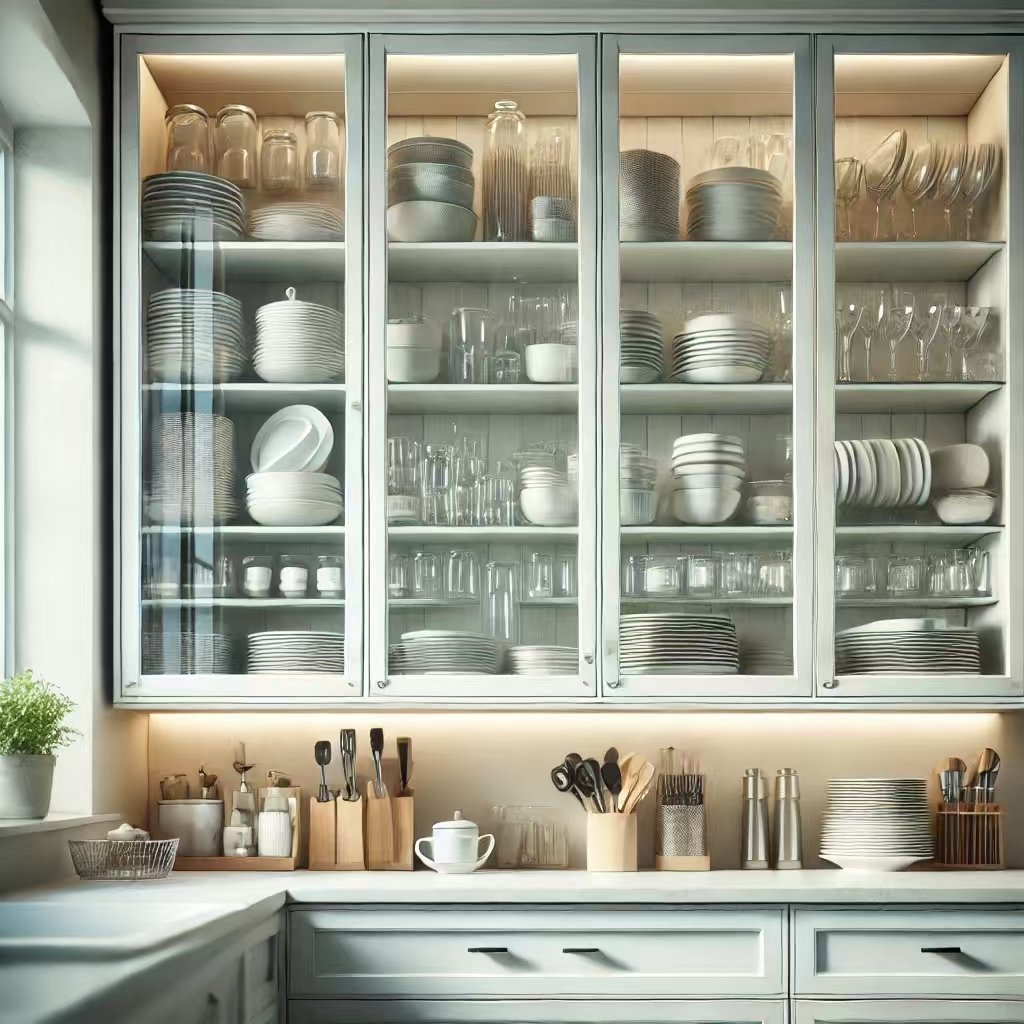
(111, 860)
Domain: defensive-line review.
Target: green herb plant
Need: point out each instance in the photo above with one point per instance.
(32, 714)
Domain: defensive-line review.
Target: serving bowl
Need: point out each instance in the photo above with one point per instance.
(427, 221)
(550, 506)
(411, 334)
(293, 512)
(961, 508)
(710, 479)
(705, 506)
(413, 365)
(551, 363)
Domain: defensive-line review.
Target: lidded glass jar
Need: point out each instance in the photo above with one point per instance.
(188, 138)
(237, 142)
(506, 175)
(279, 161)
(323, 154)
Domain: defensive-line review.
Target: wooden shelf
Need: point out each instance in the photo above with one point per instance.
(706, 534)
(249, 603)
(648, 399)
(495, 399)
(287, 262)
(248, 397)
(686, 262)
(912, 261)
(537, 262)
(910, 397)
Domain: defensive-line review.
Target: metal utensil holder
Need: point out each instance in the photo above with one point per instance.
(970, 838)
(112, 860)
(681, 825)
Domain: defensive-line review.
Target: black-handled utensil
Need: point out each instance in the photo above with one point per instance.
(347, 741)
(565, 782)
(322, 753)
(611, 776)
(588, 772)
(377, 750)
(405, 761)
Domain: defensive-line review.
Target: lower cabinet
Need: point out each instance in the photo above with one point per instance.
(907, 1011)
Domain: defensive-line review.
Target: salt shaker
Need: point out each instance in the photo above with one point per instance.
(787, 837)
(754, 832)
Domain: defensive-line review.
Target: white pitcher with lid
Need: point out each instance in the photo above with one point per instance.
(455, 846)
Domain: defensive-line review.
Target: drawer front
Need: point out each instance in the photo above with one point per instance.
(907, 1011)
(909, 952)
(558, 952)
(538, 1011)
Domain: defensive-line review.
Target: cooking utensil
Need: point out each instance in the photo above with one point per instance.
(588, 773)
(951, 772)
(637, 772)
(565, 782)
(983, 777)
(347, 745)
(611, 756)
(322, 755)
(377, 750)
(612, 778)
(405, 761)
(642, 781)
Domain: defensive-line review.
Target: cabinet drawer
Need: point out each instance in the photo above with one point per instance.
(909, 952)
(543, 951)
(903, 1011)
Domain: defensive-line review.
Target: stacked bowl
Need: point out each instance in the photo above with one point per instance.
(299, 342)
(547, 498)
(430, 191)
(708, 471)
(648, 196)
(720, 348)
(413, 351)
(641, 347)
(638, 473)
(191, 206)
(194, 335)
(293, 499)
(733, 204)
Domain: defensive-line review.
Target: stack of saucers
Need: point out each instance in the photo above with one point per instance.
(194, 335)
(297, 222)
(708, 471)
(720, 348)
(299, 650)
(638, 473)
(767, 660)
(299, 342)
(673, 644)
(186, 653)
(191, 206)
(877, 824)
(445, 652)
(547, 498)
(733, 204)
(544, 661)
(293, 499)
(641, 347)
(648, 196)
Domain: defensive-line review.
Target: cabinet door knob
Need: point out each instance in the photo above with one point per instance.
(830, 684)
(942, 950)
(383, 684)
(613, 684)
(487, 949)
(588, 658)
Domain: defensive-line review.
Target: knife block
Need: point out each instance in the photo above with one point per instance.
(611, 842)
(336, 835)
(389, 832)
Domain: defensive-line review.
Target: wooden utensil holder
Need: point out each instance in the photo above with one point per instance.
(336, 835)
(611, 842)
(389, 831)
(970, 838)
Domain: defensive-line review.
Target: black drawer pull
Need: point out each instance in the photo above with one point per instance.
(487, 949)
(581, 949)
(950, 950)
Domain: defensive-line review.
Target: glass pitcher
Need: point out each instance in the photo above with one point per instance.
(506, 175)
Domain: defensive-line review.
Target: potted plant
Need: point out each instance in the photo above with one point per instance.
(32, 715)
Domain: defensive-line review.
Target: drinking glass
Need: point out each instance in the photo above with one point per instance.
(848, 318)
(702, 575)
(949, 323)
(188, 138)
(663, 575)
(972, 327)
(426, 576)
(323, 155)
(775, 574)
(279, 161)
(237, 143)
(978, 558)
(471, 341)
(925, 327)
(497, 500)
(403, 465)
(781, 330)
(293, 576)
(906, 575)
(735, 574)
(980, 174)
(566, 582)
(504, 367)
(897, 326)
(630, 578)
(849, 178)
(873, 324)
(541, 575)
(469, 469)
(257, 575)
(947, 188)
(217, 580)
(853, 575)
(920, 177)
(503, 600)
(436, 476)
(399, 575)
(462, 575)
(882, 175)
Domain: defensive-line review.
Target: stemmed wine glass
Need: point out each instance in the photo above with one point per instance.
(972, 326)
(873, 324)
(979, 176)
(849, 174)
(925, 326)
(848, 318)
(897, 326)
(882, 174)
(947, 190)
(950, 322)
(920, 176)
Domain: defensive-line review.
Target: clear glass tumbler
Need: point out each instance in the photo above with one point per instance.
(188, 138)
(566, 580)
(404, 457)
(462, 575)
(237, 143)
(541, 575)
(399, 575)
(497, 500)
(436, 476)
(906, 575)
(702, 575)
(471, 343)
(323, 153)
(736, 574)
(279, 161)
(427, 581)
(502, 589)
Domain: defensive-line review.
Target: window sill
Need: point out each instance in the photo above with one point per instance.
(53, 822)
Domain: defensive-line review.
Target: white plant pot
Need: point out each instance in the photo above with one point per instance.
(26, 781)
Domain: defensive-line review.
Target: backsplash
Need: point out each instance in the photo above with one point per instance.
(472, 761)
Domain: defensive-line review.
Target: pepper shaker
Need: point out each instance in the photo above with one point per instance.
(787, 835)
(754, 833)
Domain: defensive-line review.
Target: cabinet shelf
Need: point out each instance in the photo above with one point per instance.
(403, 603)
(910, 397)
(746, 399)
(482, 398)
(483, 261)
(752, 601)
(250, 397)
(482, 534)
(672, 262)
(267, 534)
(249, 603)
(706, 534)
(915, 602)
(256, 261)
(911, 534)
(920, 261)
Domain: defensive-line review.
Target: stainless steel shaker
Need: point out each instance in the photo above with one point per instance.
(787, 835)
(754, 831)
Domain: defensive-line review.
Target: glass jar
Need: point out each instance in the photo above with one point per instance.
(399, 575)
(702, 576)
(293, 576)
(188, 138)
(323, 153)
(330, 576)
(906, 575)
(530, 837)
(279, 161)
(257, 575)
(506, 176)
(736, 574)
(663, 575)
(237, 142)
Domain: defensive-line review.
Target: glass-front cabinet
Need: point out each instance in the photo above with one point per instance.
(554, 368)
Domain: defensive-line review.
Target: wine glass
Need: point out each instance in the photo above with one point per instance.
(848, 318)
(882, 171)
(979, 176)
(919, 178)
(781, 330)
(925, 327)
(972, 326)
(950, 322)
(873, 323)
(897, 326)
(849, 174)
(950, 179)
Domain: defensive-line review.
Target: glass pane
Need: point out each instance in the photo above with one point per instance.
(706, 367)
(921, 413)
(6, 228)
(243, 364)
(483, 367)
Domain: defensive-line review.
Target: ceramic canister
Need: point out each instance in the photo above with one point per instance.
(456, 841)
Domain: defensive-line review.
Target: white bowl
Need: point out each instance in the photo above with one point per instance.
(413, 365)
(427, 221)
(550, 363)
(285, 485)
(702, 481)
(960, 508)
(636, 508)
(959, 466)
(549, 506)
(413, 335)
(293, 512)
(706, 505)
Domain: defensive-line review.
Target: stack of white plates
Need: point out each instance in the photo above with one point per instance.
(648, 196)
(191, 206)
(297, 222)
(877, 824)
(638, 474)
(547, 498)
(296, 651)
(899, 647)
(296, 439)
(671, 644)
(641, 347)
(192, 469)
(445, 652)
(733, 204)
(882, 473)
(720, 348)
(194, 335)
(299, 342)
(186, 653)
(767, 661)
(293, 499)
(544, 661)
(708, 471)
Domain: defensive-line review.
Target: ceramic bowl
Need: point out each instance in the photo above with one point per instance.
(426, 221)
(293, 512)
(414, 334)
(413, 365)
(961, 508)
(549, 506)
(710, 479)
(549, 363)
(958, 467)
(705, 506)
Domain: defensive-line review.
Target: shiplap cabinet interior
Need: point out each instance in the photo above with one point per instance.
(412, 576)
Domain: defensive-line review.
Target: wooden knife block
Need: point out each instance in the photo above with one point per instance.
(389, 831)
(336, 835)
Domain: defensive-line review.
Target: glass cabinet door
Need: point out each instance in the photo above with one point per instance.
(240, 369)
(919, 291)
(482, 367)
(707, 372)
